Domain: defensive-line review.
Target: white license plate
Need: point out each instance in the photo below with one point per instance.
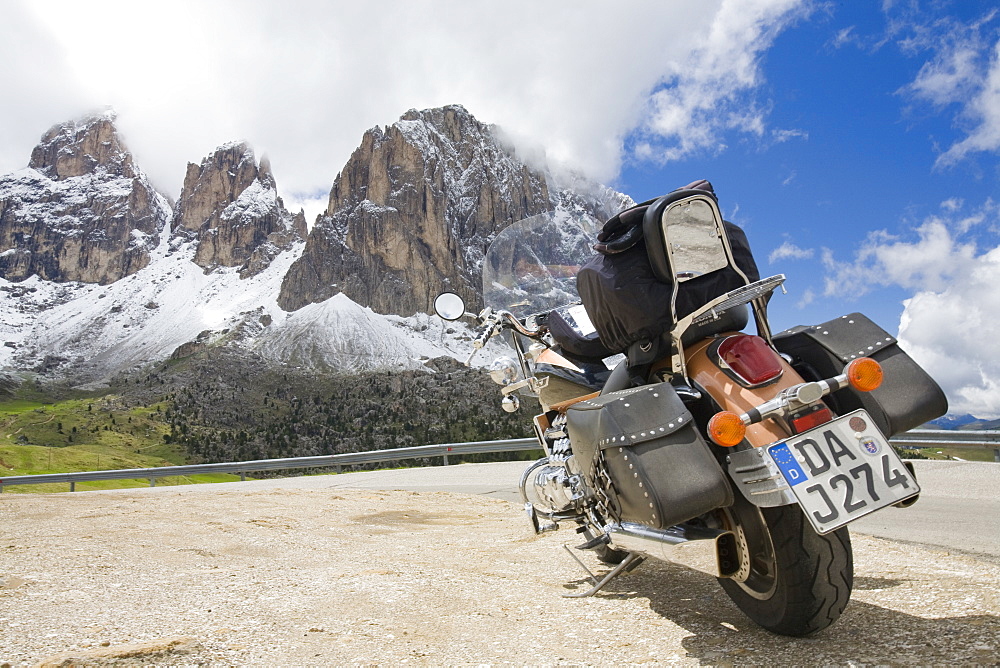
(842, 470)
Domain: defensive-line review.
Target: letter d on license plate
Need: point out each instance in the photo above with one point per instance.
(842, 470)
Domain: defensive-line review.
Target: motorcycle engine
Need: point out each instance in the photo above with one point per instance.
(560, 491)
(559, 485)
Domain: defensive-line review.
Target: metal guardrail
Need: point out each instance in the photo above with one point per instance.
(917, 438)
(940, 438)
(322, 461)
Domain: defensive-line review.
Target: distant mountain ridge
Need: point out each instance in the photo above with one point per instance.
(99, 273)
(964, 423)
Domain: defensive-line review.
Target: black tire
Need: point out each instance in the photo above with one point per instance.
(797, 581)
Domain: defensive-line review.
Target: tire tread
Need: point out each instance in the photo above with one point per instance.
(815, 576)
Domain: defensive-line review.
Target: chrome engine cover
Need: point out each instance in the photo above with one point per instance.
(559, 489)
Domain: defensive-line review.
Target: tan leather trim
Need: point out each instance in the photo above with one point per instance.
(563, 405)
(548, 356)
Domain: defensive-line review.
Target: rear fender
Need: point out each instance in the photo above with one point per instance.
(746, 467)
(731, 396)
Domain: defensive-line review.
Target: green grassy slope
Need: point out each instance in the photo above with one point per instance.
(85, 434)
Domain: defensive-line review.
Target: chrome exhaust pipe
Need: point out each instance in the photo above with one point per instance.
(707, 550)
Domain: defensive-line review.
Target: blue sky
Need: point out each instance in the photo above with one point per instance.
(856, 142)
(849, 149)
(874, 179)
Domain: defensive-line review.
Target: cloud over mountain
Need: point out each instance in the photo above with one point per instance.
(303, 80)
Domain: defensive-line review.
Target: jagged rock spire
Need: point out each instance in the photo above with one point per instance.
(230, 204)
(82, 211)
(412, 212)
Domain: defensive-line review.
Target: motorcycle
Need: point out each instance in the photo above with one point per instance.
(738, 455)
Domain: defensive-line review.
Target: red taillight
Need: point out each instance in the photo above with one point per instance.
(812, 417)
(750, 359)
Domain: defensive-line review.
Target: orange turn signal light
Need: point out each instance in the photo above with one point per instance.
(726, 429)
(864, 374)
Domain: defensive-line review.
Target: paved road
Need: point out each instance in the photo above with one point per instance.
(336, 570)
(959, 508)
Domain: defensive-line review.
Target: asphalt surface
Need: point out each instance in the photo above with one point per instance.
(958, 509)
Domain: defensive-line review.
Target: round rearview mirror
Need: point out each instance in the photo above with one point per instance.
(449, 306)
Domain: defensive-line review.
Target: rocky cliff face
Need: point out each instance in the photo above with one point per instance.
(230, 205)
(81, 211)
(411, 214)
(413, 211)
(83, 147)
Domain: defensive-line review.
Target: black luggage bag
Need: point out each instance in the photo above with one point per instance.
(908, 396)
(646, 441)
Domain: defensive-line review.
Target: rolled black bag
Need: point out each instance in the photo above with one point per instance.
(623, 298)
(626, 299)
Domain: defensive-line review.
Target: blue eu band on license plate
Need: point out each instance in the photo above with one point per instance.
(785, 460)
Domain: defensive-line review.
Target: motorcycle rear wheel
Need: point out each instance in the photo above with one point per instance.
(797, 581)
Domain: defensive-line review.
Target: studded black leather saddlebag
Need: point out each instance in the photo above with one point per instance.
(643, 444)
(908, 396)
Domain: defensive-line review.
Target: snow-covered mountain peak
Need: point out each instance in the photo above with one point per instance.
(99, 274)
(84, 146)
(82, 211)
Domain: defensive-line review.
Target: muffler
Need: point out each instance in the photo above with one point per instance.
(906, 503)
(706, 550)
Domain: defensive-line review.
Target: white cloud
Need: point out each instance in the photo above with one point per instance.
(952, 204)
(844, 37)
(949, 76)
(303, 79)
(808, 297)
(781, 136)
(710, 92)
(789, 251)
(38, 84)
(930, 263)
(952, 335)
(962, 71)
(983, 112)
(948, 326)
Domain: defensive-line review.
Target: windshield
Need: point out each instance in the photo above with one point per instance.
(531, 266)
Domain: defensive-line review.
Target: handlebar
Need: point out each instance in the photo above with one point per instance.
(485, 335)
(494, 322)
(516, 324)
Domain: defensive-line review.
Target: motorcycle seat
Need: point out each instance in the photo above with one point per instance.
(587, 346)
(733, 320)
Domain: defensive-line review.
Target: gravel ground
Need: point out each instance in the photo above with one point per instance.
(308, 577)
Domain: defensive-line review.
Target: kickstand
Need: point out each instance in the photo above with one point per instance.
(632, 560)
